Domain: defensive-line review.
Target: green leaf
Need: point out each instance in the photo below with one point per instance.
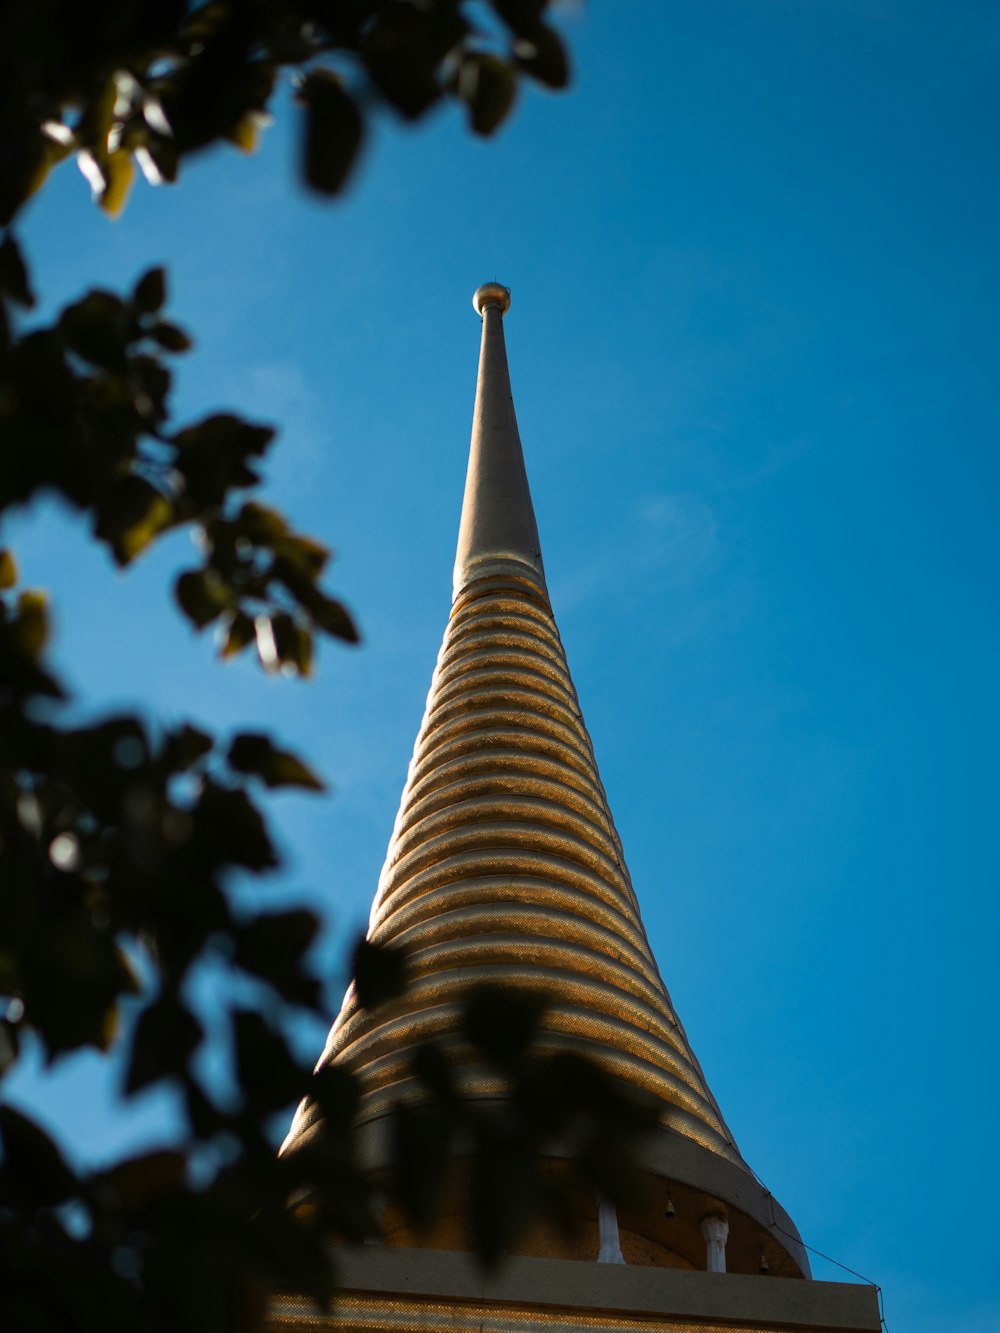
(29, 630)
(14, 282)
(170, 336)
(151, 291)
(334, 619)
(260, 524)
(118, 175)
(245, 134)
(159, 159)
(292, 643)
(542, 55)
(334, 132)
(379, 973)
(185, 747)
(201, 596)
(128, 514)
(489, 88)
(97, 329)
(8, 569)
(241, 633)
(254, 754)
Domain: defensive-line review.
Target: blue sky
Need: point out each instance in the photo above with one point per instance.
(754, 348)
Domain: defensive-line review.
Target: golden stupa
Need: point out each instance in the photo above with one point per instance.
(504, 867)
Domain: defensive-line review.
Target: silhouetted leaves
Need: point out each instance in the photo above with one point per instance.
(129, 514)
(119, 840)
(421, 1151)
(379, 973)
(269, 1076)
(273, 947)
(334, 131)
(502, 1023)
(33, 1167)
(543, 56)
(8, 569)
(151, 291)
(165, 1038)
(201, 595)
(97, 329)
(489, 87)
(257, 755)
(170, 336)
(14, 282)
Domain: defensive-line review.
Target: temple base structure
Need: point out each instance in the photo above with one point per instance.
(398, 1290)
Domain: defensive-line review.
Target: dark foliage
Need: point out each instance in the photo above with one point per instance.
(119, 840)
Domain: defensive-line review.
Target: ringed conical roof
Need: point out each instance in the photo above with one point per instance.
(504, 865)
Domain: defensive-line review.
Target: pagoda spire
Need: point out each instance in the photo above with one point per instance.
(498, 533)
(505, 868)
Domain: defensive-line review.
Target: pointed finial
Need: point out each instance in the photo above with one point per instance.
(491, 294)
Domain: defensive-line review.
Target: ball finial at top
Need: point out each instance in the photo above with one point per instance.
(491, 293)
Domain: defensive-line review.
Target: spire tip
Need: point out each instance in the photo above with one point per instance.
(490, 294)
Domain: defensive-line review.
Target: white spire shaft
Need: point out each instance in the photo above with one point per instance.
(498, 533)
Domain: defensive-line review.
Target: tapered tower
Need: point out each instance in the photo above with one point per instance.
(504, 866)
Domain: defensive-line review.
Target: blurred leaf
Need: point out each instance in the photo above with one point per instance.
(10, 1045)
(185, 746)
(501, 1192)
(29, 630)
(543, 56)
(245, 134)
(260, 524)
(240, 634)
(151, 291)
(269, 1075)
(502, 1023)
(33, 1167)
(140, 1180)
(14, 282)
(334, 132)
(170, 336)
(337, 1093)
(489, 88)
(129, 513)
(8, 569)
(229, 828)
(421, 1152)
(163, 1043)
(272, 947)
(255, 754)
(379, 973)
(118, 175)
(97, 329)
(201, 596)
(334, 619)
(431, 1065)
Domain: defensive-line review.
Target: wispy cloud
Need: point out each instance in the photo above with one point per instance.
(668, 539)
(278, 392)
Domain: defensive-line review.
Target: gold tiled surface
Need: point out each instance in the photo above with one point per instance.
(505, 867)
